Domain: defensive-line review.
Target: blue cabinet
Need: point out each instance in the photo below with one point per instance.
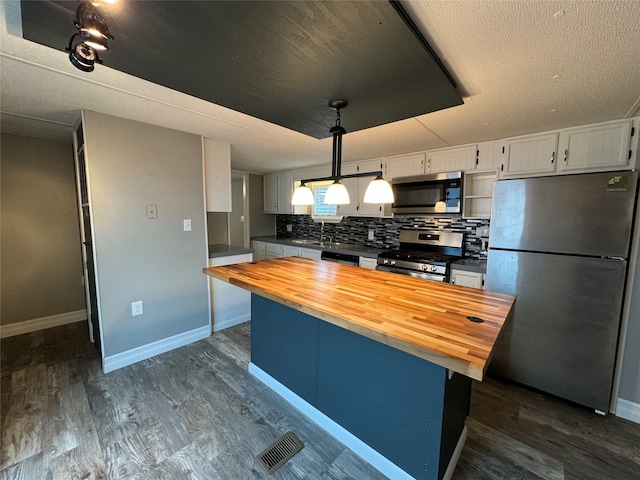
(406, 408)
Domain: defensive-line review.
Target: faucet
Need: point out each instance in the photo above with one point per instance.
(323, 237)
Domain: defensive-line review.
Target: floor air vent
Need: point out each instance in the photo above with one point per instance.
(279, 452)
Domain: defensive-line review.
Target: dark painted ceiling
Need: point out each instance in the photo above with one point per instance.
(278, 61)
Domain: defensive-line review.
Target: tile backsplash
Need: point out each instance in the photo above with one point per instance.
(386, 230)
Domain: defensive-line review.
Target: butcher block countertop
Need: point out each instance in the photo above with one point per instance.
(424, 318)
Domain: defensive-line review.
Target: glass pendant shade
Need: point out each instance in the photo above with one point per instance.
(302, 195)
(378, 191)
(337, 194)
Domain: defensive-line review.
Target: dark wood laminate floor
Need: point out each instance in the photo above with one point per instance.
(195, 413)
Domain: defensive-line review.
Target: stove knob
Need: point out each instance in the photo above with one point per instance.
(433, 268)
(393, 262)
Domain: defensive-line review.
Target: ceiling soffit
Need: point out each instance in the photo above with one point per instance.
(277, 61)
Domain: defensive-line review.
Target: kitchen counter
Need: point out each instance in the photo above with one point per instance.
(370, 356)
(470, 265)
(425, 319)
(347, 248)
(217, 250)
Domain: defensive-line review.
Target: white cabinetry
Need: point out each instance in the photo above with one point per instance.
(231, 305)
(368, 263)
(278, 190)
(478, 191)
(489, 155)
(452, 159)
(310, 253)
(405, 165)
(217, 175)
(288, 251)
(259, 250)
(595, 147)
(467, 279)
(357, 188)
(530, 155)
(273, 250)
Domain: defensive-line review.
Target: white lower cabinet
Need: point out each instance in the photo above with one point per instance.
(465, 278)
(259, 250)
(230, 305)
(310, 253)
(368, 263)
(290, 251)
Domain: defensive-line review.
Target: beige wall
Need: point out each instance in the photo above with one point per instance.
(40, 250)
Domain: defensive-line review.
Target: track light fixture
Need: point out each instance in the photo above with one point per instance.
(92, 36)
(378, 191)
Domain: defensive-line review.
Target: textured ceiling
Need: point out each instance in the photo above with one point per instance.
(278, 61)
(521, 66)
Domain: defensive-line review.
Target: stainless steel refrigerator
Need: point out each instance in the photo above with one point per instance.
(560, 244)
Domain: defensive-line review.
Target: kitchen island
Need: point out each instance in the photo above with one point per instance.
(382, 361)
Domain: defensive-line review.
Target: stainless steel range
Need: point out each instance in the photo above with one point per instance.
(423, 253)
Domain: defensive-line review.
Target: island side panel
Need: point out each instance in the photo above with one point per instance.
(457, 401)
(284, 344)
(389, 399)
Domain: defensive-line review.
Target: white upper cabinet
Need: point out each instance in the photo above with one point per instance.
(278, 190)
(357, 188)
(595, 147)
(351, 184)
(489, 155)
(368, 209)
(217, 175)
(529, 155)
(405, 165)
(452, 159)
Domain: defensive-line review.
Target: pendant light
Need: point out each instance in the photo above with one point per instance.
(337, 193)
(378, 191)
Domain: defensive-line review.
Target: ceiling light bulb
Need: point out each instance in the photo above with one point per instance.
(378, 191)
(336, 194)
(302, 195)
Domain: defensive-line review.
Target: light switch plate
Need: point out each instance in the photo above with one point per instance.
(136, 308)
(187, 224)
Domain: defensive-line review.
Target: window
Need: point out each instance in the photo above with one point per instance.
(319, 207)
(321, 211)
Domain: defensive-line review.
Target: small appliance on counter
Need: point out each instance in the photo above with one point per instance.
(423, 253)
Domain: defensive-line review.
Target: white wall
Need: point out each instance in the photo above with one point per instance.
(129, 165)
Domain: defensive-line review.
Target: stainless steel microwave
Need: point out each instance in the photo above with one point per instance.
(436, 193)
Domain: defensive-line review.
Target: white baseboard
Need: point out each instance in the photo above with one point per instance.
(119, 360)
(628, 410)
(33, 325)
(373, 457)
(231, 322)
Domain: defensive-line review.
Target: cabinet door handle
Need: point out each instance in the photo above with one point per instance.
(553, 157)
(566, 152)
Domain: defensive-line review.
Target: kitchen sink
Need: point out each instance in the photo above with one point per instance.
(306, 241)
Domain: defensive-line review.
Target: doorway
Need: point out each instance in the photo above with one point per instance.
(237, 219)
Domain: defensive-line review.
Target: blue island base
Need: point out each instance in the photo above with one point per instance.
(401, 413)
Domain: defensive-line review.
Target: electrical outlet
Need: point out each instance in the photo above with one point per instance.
(152, 211)
(187, 224)
(136, 308)
(372, 235)
(482, 231)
